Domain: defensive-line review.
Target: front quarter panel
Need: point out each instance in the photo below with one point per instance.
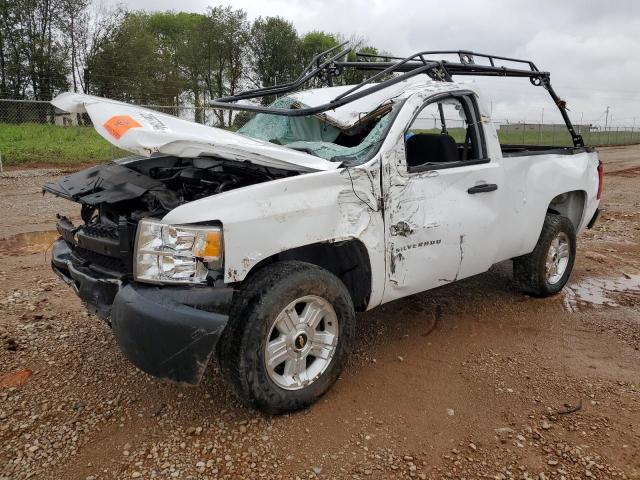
(268, 218)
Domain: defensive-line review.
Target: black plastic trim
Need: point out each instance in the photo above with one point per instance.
(484, 188)
(163, 337)
(166, 331)
(96, 291)
(594, 219)
(530, 150)
(427, 167)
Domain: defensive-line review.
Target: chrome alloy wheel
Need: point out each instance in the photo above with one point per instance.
(557, 258)
(301, 342)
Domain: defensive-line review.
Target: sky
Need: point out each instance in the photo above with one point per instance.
(591, 48)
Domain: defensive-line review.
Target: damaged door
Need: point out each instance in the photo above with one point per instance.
(443, 199)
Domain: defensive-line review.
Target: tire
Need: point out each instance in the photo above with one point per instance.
(530, 271)
(264, 298)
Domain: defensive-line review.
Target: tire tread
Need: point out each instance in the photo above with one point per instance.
(233, 355)
(528, 270)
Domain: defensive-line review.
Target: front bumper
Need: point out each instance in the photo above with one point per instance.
(168, 332)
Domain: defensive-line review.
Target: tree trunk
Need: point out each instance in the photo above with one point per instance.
(73, 52)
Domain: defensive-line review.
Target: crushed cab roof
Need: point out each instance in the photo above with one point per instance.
(349, 115)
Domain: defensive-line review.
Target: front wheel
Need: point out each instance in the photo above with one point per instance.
(287, 337)
(546, 270)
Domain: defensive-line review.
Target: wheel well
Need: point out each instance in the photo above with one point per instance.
(569, 205)
(348, 260)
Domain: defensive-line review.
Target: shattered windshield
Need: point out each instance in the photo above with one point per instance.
(312, 135)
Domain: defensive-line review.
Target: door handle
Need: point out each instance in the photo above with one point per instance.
(485, 187)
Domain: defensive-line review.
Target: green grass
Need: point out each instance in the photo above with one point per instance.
(559, 138)
(535, 138)
(562, 138)
(31, 143)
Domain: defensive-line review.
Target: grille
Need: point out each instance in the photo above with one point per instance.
(100, 230)
(101, 246)
(83, 256)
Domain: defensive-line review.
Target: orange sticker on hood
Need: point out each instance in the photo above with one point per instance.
(118, 125)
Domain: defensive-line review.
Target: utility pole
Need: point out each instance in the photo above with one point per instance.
(606, 120)
(540, 127)
(581, 120)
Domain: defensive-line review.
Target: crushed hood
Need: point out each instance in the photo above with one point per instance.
(145, 132)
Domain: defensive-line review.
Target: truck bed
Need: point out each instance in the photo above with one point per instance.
(524, 150)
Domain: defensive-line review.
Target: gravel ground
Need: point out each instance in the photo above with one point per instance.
(472, 380)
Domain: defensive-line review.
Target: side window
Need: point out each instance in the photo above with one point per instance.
(443, 134)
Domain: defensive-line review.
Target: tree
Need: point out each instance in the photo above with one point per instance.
(162, 58)
(12, 78)
(92, 33)
(311, 44)
(274, 49)
(351, 76)
(32, 57)
(315, 42)
(225, 48)
(191, 52)
(173, 58)
(138, 61)
(73, 20)
(236, 39)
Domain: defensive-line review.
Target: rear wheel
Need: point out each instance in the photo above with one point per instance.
(288, 335)
(545, 271)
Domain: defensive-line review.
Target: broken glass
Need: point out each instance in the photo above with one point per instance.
(312, 135)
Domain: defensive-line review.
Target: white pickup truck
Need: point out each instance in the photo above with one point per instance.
(261, 245)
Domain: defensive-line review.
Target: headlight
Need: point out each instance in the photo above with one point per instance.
(176, 254)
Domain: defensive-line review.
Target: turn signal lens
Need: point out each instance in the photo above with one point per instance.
(210, 246)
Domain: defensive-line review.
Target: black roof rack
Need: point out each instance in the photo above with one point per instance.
(331, 63)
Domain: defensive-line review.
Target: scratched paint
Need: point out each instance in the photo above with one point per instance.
(437, 233)
(421, 230)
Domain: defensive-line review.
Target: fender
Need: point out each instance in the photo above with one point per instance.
(326, 206)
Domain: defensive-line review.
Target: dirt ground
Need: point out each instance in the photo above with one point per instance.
(472, 380)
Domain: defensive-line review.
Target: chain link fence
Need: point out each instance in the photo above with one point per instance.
(21, 116)
(522, 133)
(42, 112)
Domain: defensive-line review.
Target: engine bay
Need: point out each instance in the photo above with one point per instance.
(137, 187)
(117, 195)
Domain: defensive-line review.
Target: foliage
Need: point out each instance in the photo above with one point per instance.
(32, 49)
(161, 58)
(274, 46)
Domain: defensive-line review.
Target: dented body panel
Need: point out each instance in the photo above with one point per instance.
(293, 212)
(145, 132)
(420, 228)
(446, 233)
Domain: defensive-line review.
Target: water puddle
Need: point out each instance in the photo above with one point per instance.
(27, 243)
(604, 291)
